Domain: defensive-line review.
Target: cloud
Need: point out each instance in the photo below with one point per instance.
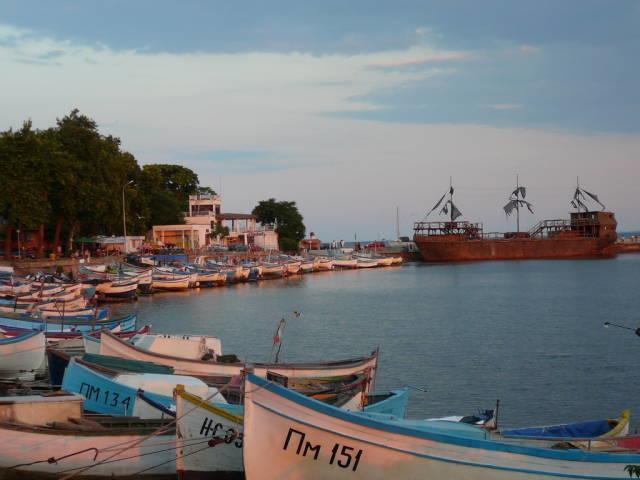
(505, 106)
(528, 49)
(260, 120)
(409, 61)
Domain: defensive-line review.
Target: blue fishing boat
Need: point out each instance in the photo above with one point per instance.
(606, 428)
(58, 361)
(118, 395)
(66, 324)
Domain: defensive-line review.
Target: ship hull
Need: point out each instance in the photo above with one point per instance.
(443, 249)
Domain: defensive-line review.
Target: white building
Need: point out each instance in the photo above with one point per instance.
(201, 219)
(130, 243)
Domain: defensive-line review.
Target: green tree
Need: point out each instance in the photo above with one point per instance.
(165, 191)
(23, 193)
(287, 219)
(219, 230)
(68, 181)
(101, 171)
(206, 191)
(176, 179)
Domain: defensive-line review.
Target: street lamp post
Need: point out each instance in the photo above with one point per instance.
(124, 215)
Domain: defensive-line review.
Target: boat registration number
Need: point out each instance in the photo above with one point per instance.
(106, 397)
(342, 455)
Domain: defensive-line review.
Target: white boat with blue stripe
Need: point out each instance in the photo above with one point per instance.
(290, 436)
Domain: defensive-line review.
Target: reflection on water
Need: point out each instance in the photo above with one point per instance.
(528, 332)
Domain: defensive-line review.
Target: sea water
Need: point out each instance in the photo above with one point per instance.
(529, 333)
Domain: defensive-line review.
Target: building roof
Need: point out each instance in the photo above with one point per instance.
(235, 216)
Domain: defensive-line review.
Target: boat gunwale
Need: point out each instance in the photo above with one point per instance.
(293, 366)
(106, 431)
(19, 338)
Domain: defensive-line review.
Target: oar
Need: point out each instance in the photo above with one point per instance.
(609, 324)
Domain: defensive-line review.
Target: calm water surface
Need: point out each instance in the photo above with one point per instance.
(527, 332)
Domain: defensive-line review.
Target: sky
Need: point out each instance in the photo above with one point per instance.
(351, 109)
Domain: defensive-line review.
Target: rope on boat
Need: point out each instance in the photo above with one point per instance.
(139, 455)
(158, 431)
(52, 460)
(169, 461)
(212, 442)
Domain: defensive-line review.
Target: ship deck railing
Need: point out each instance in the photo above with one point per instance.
(581, 227)
(448, 228)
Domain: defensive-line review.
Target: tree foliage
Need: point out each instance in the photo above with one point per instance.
(287, 219)
(68, 181)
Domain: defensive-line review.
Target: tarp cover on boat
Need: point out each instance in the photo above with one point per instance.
(589, 429)
(127, 365)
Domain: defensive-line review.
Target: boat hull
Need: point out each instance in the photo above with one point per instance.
(67, 325)
(198, 419)
(167, 284)
(290, 437)
(23, 445)
(112, 345)
(22, 357)
(451, 249)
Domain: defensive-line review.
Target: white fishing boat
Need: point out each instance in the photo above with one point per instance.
(244, 272)
(170, 283)
(22, 357)
(293, 267)
(200, 419)
(50, 437)
(59, 297)
(14, 288)
(306, 266)
(64, 311)
(119, 290)
(209, 278)
(272, 269)
(114, 346)
(345, 262)
(102, 285)
(143, 276)
(383, 261)
(194, 347)
(40, 290)
(323, 264)
(223, 424)
(363, 262)
(289, 436)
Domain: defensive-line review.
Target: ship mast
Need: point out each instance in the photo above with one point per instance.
(451, 196)
(580, 196)
(517, 200)
(517, 206)
(448, 208)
